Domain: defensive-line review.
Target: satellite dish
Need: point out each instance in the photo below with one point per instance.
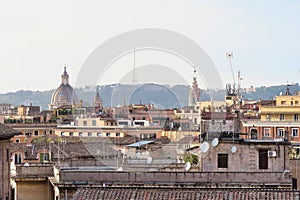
(204, 147)
(187, 166)
(233, 149)
(26, 165)
(138, 154)
(149, 160)
(215, 142)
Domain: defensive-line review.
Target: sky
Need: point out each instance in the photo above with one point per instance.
(38, 38)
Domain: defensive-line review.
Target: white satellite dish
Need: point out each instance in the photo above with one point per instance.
(26, 165)
(149, 160)
(187, 166)
(233, 149)
(138, 154)
(204, 147)
(215, 142)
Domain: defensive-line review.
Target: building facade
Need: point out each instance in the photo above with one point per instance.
(6, 134)
(277, 121)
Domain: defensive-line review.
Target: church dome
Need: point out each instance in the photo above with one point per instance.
(64, 94)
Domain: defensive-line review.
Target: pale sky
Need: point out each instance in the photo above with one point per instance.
(39, 37)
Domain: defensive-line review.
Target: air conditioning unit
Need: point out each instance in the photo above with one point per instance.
(272, 153)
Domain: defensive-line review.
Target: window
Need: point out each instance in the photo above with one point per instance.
(296, 117)
(44, 157)
(118, 134)
(253, 133)
(280, 132)
(266, 132)
(281, 117)
(36, 132)
(84, 123)
(296, 102)
(18, 158)
(28, 134)
(89, 134)
(94, 122)
(17, 141)
(107, 134)
(292, 103)
(295, 132)
(80, 133)
(50, 132)
(263, 159)
(283, 102)
(99, 134)
(62, 133)
(268, 117)
(45, 132)
(223, 160)
(71, 133)
(152, 135)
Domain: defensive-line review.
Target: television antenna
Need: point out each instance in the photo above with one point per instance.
(229, 56)
(134, 78)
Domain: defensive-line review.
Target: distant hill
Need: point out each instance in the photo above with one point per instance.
(270, 92)
(118, 94)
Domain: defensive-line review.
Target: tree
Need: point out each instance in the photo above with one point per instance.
(193, 159)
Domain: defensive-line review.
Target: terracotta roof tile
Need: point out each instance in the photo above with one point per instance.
(131, 193)
(6, 132)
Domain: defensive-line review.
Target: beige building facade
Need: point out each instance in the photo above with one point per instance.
(281, 120)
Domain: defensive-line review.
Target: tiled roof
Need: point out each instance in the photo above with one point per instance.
(6, 132)
(234, 194)
(127, 139)
(187, 139)
(83, 149)
(70, 148)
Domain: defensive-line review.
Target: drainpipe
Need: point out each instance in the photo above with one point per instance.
(66, 194)
(284, 157)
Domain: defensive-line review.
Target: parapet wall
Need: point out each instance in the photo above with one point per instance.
(177, 178)
(34, 170)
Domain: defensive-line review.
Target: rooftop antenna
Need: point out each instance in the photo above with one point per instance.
(239, 83)
(134, 79)
(235, 93)
(229, 56)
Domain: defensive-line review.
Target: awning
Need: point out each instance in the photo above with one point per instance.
(139, 144)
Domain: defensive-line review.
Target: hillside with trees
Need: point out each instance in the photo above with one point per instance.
(163, 96)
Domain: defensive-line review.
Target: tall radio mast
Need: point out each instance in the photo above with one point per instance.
(134, 79)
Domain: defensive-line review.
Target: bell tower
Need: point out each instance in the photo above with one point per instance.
(194, 94)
